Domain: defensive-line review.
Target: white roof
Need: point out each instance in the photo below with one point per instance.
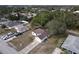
(76, 11)
(24, 22)
(20, 28)
(71, 43)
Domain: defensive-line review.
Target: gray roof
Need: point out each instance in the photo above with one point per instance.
(13, 23)
(71, 43)
(4, 21)
(41, 33)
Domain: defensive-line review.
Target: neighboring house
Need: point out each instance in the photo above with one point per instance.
(34, 14)
(14, 14)
(4, 21)
(53, 10)
(71, 44)
(64, 9)
(76, 12)
(19, 26)
(40, 34)
(68, 8)
(23, 14)
(29, 15)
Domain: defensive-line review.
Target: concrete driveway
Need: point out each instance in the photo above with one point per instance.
(57, 51)
(28, 48)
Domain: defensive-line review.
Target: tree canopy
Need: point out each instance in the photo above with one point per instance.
(56, 27)
(41, 19)
(61, 21)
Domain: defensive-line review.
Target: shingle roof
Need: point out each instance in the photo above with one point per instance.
(41, 33)
(71, 43)
(12, 23)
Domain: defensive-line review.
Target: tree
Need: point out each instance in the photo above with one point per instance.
(75, 8)
(62, 20)
(65, 17)
(41, 19)
(5, 10)
(70, 20)
(56, 27)
(3, 26)
(23, 17)
(12, 17)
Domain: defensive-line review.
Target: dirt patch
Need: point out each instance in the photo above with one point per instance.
(45, 47)
(48, 46)
(4, 31)
(22, 41)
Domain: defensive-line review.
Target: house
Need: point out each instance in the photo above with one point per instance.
(40, 34)
(19, 26)
(62, 9)
(14, 14)
(34, 14)
(4, 21)
(76, 12)
(29, 15)
(71, 44)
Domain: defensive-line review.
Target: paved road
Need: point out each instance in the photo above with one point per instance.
(5, 49)
(28, 48)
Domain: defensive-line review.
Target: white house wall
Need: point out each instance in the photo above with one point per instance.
(38, 39)
(44, 38)
(33, 33)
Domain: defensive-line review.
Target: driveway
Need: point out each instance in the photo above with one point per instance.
(28, 48)
(57, 51)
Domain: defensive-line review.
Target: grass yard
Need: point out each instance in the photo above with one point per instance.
(4, 31)
(48, 46)
(22, 41)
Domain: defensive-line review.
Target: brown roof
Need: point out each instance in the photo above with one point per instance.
(41, 33)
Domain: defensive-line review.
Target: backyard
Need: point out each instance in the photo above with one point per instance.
(4, 31)
(48, 46)
(22, 41)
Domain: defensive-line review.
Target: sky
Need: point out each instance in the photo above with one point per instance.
(39, 2)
